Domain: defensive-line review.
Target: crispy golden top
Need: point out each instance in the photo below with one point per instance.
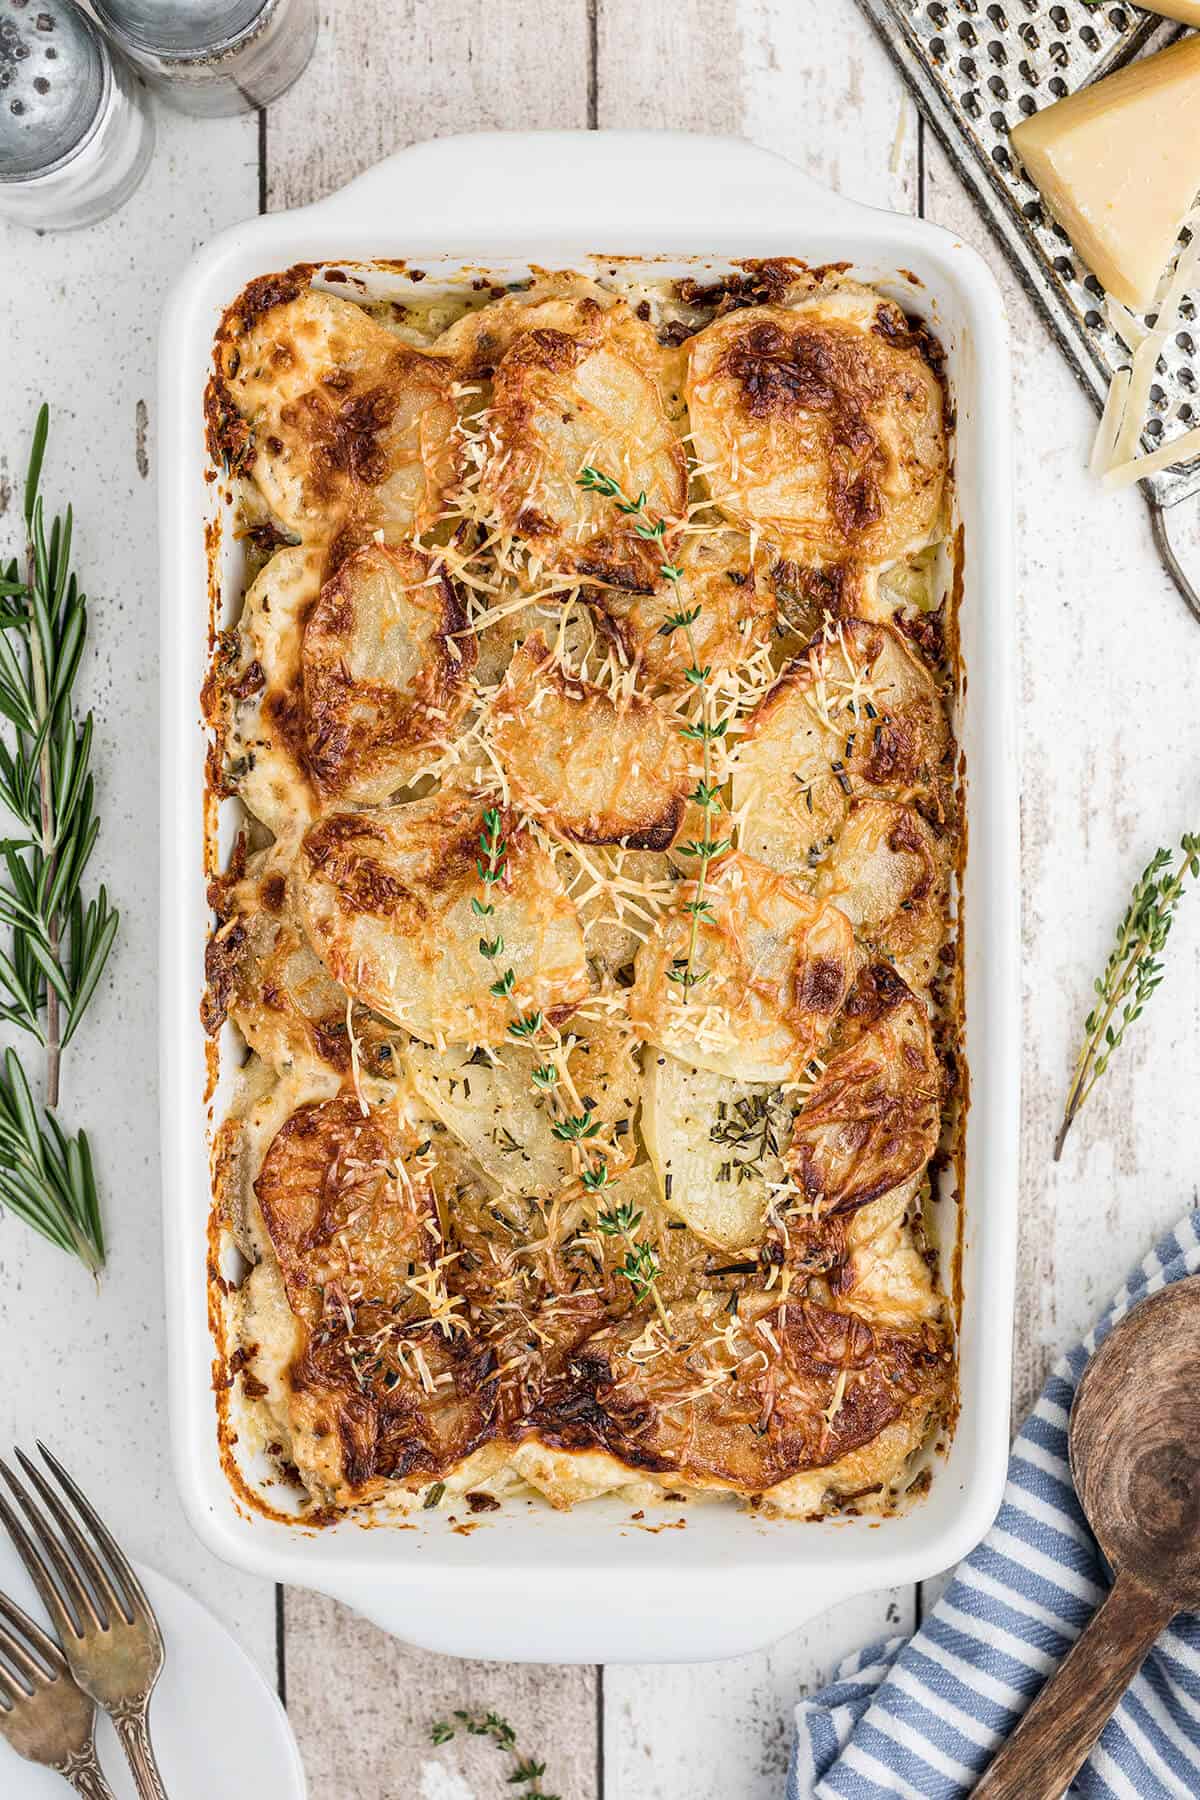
(579, 1147)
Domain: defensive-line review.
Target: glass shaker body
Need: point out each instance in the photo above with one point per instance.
(75, 132)
(214, 57)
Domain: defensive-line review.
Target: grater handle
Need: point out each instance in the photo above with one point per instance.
(1169, 560)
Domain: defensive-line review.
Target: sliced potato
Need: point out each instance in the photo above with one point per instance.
(385, 895)
(775, 967)
(872, 1120)
(385, 1382)
(821, 425)
(566, 399)
(888, 872)
(751, 1397)
(571, 627)
(719, 576)
(386, 663)
(594, 769)
(330, 1166)
(493, 1109)
(888, 1275)
(857, 715)
(565, 303)
(348, 430)
(812, 595)
(619, 893)
(264, 976)
(264, 743)
(716, 1148)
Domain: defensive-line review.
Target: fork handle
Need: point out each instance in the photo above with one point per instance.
(85, 1776)
(133, 1729)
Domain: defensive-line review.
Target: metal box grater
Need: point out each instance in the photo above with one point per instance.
(977, 68)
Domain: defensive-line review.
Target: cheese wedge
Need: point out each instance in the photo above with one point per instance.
(1118, 165)
(1186, 10)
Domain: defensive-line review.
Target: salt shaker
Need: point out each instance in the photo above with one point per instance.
(214, 56)
(75, 136)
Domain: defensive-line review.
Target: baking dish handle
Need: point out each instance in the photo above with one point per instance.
(682, 178)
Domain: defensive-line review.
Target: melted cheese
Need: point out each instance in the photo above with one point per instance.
(585, 1261)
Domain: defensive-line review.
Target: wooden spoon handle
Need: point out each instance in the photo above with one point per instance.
(1048, 1747)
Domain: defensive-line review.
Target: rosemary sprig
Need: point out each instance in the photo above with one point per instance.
(754, 1132)
(59, 944)
(1132, 972)
(527, 1771)
(46, 1177)
(703, 730)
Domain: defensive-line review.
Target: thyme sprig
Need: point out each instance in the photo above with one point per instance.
(547, 1077)
(527, 1771)
(704, 730)
(1132, 972)
(59, 942)
(641, 1267)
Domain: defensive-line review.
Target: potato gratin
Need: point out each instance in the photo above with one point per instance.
(592, 929)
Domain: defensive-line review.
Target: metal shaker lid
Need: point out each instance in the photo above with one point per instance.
(177, 28)
(53, 77)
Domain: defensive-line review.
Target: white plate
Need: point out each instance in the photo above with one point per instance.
(218, 1728)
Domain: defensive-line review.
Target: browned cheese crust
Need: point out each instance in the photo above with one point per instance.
(589, 944)
(598, 770)
(378, 1386)
(346, 430)
(587, 395)
(822, 426)
(386, 660)
(385, 897)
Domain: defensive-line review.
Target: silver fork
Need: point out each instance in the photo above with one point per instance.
(45, 1717)
(104, 1621)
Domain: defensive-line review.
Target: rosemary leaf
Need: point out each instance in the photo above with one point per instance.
(60, 939)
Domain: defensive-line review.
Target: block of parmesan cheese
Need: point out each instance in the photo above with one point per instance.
(1187, 10)
(1118, 165)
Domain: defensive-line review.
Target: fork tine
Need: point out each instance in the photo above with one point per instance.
(100, 1579)
(57, 1603)
(45, 1646)
(19, 1657)
(8, 1691)
(99, 1530)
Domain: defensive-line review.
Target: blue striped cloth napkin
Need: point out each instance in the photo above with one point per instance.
(922, 1717)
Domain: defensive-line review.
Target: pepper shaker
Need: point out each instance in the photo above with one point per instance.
(75, 136)
(214, 56)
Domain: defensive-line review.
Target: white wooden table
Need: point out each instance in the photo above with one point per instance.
(1110, 743)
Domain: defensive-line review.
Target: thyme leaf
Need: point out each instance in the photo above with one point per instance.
(704, 730)
(527, 1771)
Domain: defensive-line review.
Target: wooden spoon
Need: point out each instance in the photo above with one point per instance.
(1135, 1459)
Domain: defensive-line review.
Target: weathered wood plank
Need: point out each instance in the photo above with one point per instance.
(717, 1730)
(362, 1706)
(386, 75)
(809, 81)
(671, 66)
(812, 83)
(80, 1365)
(1107, 741)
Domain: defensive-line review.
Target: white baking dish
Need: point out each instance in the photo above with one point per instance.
(528, 1583)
